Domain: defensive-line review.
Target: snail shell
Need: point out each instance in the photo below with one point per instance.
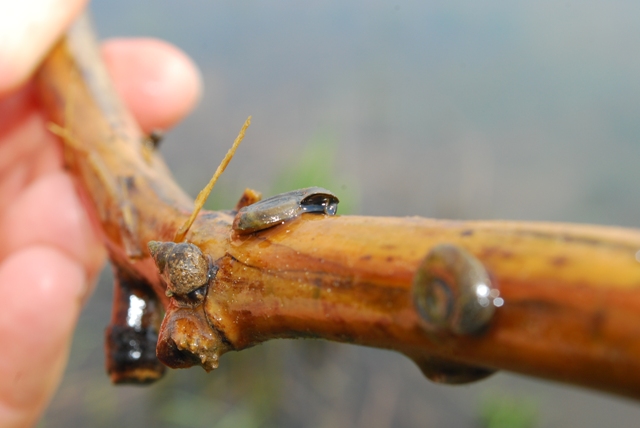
(441, 370)
(183, 266)
(284, 207)
(452, 292)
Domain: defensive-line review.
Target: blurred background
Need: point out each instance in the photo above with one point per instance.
(457, 109)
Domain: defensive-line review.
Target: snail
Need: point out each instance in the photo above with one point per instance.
(184, 268)
(452, 292)
(283, 207)
(442, 370)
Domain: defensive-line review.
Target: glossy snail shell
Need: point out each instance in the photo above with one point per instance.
(453, 293)
(283, 207)
(183, 266)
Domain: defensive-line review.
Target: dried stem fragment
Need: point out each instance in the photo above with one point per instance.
(204, 193)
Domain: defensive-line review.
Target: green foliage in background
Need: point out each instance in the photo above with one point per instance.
(244, 392)
(316, 165)
(502, 411)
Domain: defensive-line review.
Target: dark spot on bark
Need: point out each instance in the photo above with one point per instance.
(129, 183)
(382, 325)
(559, 261)
(597, 322)
(345, 338)
(209, 215)
(537, 305)
(155, 138)
(496, 252)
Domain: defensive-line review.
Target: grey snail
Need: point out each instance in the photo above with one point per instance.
(184, 268)
(285, 206)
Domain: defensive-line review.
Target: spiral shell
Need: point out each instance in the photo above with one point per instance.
(183, 266)
(453, 293)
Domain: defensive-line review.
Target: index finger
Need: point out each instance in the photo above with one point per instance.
(28, 29)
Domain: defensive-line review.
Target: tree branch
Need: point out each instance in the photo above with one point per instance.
(461, 299)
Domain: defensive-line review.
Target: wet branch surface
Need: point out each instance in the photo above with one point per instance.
(564, 300)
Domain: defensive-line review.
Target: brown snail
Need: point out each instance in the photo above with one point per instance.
(454, 295)
(285, 206)
(184, 268)
(453, 292)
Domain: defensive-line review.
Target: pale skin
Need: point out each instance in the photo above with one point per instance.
(50, 253)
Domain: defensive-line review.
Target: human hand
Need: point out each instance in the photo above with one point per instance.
(49, 252)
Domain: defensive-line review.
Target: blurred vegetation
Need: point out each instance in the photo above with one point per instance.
(314, 164)
(498, 410)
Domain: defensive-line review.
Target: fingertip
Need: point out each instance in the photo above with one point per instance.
(158, 82)
(28, 29)
(49, 212)
(42, 290)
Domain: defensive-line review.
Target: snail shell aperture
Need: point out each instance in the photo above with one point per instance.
(183, 266)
